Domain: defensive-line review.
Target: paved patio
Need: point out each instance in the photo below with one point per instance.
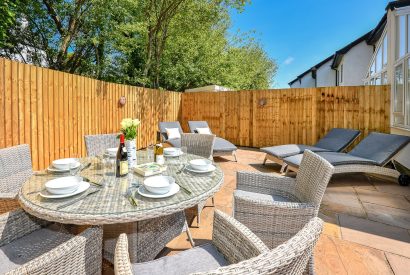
(367, 228)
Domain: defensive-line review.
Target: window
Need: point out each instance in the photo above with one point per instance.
(401, 36)
(384, 51)
(398, 95)
(379, 61)
(378, 67)
(384, 78)
(341, 74)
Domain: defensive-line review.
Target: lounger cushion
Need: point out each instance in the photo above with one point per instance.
(262, 197)
(380, 147)
(197, 124)
(169, 124)
(337, 139)
(283, 151)
(333, 158)
(222, 145)
(174, 142)
(199, 259)
(31, 246)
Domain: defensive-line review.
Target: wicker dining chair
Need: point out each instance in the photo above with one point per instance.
(197, 144)
(234, 250)
(15, 169)
(276, 207)
(200, 145)
(97, 144)
(29, 245)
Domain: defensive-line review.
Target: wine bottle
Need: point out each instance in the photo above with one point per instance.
(122, 159)
(159, 152)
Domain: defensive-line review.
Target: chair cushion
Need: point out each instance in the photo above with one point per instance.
(262, 197)
(31, 246)
(283, 151)
(333, 158)
(380, 147)
(337, 139)
(222, 145)
(199, 259)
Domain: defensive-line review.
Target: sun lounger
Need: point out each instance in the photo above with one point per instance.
(336, 140)
(222, 147)
(371, 155)
(168, 125)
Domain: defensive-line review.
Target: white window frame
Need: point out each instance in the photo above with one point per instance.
(371, 77)
(403, 61)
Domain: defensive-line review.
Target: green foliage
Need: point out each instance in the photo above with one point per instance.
(170, 44)
(8, 17)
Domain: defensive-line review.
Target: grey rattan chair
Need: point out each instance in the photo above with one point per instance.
(15, 169)
(200, 145)
(97, 144)
(234, 250)
(32, 246)
(276, 207)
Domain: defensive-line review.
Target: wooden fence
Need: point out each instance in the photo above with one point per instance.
(271, 117)
(52, 111)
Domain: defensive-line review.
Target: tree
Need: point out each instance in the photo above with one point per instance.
(8, 18)
(172, 44)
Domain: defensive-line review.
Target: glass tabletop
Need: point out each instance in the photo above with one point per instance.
(110, 204)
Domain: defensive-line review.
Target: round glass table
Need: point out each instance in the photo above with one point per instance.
(150, 223)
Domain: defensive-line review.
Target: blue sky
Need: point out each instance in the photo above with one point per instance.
(300, 33)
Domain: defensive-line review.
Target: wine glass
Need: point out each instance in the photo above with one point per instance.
(75, 166)
(150, 153)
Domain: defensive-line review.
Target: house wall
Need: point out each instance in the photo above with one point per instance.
(307, 81)
(325, 75)
(355, 64)
(295, 84)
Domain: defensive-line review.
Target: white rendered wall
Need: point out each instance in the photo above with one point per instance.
(355, 64)
(325, 75)
(306, 82)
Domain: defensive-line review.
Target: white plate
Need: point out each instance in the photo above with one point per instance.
(55, 170)
(145, 193)
(83, 186)
(210, 169)
(180, 153)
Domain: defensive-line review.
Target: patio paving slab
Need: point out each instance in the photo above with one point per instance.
(388, 215)
(353, 179)
(384, 199)
(342, 199)
(399, 264)
(327, 258)
(391, 187)
(359, 259)
(377, 235)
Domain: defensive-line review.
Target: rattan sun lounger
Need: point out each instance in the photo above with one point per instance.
(222, 147)
(371, 155)
(336, 140)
